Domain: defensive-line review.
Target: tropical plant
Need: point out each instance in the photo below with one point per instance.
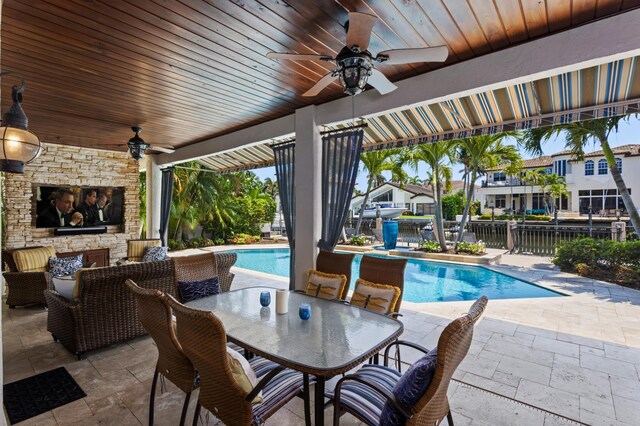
(553, 187)
(577, 136)
(483, 153)
(374, 164)
(513, 169)
(430, 246)
(438, 157)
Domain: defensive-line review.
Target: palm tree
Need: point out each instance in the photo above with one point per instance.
(376, 162)
(554, 187)
(534, 177)
(577, 136)
(483, 153)
(438, 156)
(512, 170)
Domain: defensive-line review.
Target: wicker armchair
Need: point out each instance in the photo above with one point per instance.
(336, 263)
(155, 316)
(365, 393)
(105, 312)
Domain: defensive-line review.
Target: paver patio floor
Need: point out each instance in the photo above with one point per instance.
(544, 361)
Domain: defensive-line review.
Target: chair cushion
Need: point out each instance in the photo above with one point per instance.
(243, 373)
(375, 297)
(410, 388)
(326, 286)
(284, 386)
(63, 266)
(361, 399)
(34, 259)
(154, 254)
(65, 286)
(135, 248)
(192, 290)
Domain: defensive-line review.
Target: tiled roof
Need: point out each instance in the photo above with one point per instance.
(533, 163)
(627, 150)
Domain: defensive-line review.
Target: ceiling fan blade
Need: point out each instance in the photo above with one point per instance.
(296, 57)
(360, 26)
(380, 82)
(165, 149)
(321, 84)
(407, 56)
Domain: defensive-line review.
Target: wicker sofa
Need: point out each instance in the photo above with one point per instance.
(104, 311)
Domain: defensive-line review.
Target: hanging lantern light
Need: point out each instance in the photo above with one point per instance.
(19, 145)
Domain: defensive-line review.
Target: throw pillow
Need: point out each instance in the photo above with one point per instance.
(192, 290)
(375, 297)
(33, 259)
(154, 254)
(243, 373)
(326, 286)
(410, 388)
(62, 266)
(65, 286)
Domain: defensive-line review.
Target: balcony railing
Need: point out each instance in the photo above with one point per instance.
(507, 182)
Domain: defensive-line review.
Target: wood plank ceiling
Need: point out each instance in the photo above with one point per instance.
(188, 70)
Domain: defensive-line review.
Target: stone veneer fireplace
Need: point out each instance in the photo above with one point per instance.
(73, 166)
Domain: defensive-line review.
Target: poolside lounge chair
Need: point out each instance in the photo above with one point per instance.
(469, 237)
(428, 235)
(367, 394)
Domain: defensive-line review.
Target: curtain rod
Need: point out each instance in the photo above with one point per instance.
(357, 126)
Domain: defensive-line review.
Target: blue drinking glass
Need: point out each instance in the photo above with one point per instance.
(305, 311)
(265, 298)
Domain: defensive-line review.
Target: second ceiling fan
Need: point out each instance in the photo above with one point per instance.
(355, 64)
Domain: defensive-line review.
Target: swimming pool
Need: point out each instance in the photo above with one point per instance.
(425, 281)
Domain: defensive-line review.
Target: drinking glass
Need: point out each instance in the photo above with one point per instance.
(305, 311)
(265, 298)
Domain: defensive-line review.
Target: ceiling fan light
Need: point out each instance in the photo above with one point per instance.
(137, 150)
(353, 74)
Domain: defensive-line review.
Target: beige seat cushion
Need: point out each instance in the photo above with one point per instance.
(243, 373)
(375, 297)
(135, 248)
(34, 259)
(326, 286)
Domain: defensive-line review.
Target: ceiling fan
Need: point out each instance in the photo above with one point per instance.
(355, 64)
(138, 147)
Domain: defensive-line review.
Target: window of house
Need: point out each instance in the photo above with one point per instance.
(619, 164)
(602, 167)
(499, 177)
(385, 197)
(560, 167)
(500, 201)
(537, 201)
(549, 170)
(588, 168)
(425, 208)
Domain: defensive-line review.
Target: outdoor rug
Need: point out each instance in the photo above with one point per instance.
(38, 394)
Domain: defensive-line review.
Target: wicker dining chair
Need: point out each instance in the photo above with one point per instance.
(155, 316)
(368, 394)
(382, 270)
(204, 266)
(336, 263)
(203, 338)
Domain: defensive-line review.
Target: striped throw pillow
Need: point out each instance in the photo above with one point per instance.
(326, 286)
(375, 297)
(34, 259)
(135, 248)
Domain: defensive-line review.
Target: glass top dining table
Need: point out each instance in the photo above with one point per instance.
(336, 338)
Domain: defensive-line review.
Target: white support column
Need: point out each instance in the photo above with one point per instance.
(308, 192)
(154, 193)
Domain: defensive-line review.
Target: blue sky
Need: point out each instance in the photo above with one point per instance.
(628, 133)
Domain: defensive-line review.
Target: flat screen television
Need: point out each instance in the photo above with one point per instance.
(55, 206)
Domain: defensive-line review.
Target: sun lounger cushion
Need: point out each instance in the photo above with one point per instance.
(192, 290)
(243, 373)
(375, 297)
(34, 259)
(410, 387)
(59, 267)
(154, 254)
(326, 286)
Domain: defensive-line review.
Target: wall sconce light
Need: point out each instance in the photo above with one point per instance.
(19, 145)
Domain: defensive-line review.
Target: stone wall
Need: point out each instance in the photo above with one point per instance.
(72, 166)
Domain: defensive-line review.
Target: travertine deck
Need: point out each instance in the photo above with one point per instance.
(531, 361)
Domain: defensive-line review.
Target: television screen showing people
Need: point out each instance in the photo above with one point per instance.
(77, 206)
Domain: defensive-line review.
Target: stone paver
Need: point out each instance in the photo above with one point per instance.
(576, 356)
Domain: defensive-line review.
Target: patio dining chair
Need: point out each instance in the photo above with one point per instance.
(336, 263)
(203, 339)
(378, 394)
(385, 271)
(172, 363)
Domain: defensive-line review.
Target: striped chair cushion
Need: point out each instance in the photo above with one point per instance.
(235, 347)
(135, 248)
(34, 259)
(282, 387)
(363, 401)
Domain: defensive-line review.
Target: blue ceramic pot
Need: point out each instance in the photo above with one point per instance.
(390, 234)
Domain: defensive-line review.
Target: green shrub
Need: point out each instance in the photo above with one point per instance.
(357, 240)
(430, 246)
(452, 205)
(218, 241)
(195, 243)
(207, 243)
(176, 245)
(243, 239)
(471, 248)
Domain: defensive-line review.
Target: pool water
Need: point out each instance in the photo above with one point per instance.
(425, 281)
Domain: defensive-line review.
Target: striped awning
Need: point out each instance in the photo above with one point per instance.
(605, 90)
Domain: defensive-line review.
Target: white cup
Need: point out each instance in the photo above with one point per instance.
(282, 301)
